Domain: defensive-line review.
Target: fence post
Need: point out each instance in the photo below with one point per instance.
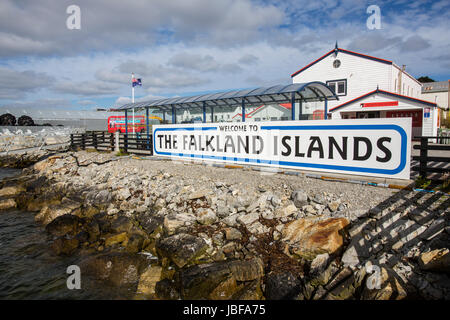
(111, 141)
(423, 157)
(117, 141)
(72, 144)
(94, 140)
(83, 141)
(125, 142)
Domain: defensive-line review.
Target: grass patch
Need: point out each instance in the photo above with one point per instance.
(121, 153)
(445, 187)
(422, 183)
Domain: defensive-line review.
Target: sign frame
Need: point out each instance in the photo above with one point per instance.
(400, 129)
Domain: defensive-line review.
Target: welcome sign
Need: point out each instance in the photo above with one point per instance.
(372, 147)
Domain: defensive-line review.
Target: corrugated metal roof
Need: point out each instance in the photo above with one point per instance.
(311, 91)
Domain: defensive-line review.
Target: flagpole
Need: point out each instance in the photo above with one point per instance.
(132, 96)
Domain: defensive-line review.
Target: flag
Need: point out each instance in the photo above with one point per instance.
(136, 82)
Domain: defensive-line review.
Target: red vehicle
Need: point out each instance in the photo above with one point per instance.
(117, 123)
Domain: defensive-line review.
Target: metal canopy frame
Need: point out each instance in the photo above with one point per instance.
(220, 101)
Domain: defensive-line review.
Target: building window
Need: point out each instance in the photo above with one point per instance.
(338, 86)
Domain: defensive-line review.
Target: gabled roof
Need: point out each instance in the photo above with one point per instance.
(337, 50)
(396, 95)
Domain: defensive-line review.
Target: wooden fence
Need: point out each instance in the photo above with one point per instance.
(425, 158)
(104, 141)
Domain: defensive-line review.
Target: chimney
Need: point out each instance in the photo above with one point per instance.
(400, 73)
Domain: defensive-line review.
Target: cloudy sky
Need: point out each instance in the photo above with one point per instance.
(182, 47)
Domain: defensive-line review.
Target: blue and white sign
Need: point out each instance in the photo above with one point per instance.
(371, 147)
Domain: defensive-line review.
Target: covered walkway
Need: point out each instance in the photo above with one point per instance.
(292, 93)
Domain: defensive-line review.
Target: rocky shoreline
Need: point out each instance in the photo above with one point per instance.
(172, 230)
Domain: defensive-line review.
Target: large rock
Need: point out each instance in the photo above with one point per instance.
(174, 222)
(50, 213)
(148, 280)
(282, 286)
(116, 239)
(122, 224)
(64, 246)
(217, 280)
(7, 204)
(181, 248)
(206, 216)
(7, 119)
(44, 164)
(118, 268)
(285, 211)
(248, 219)
(65, 224)
(384, 285)
(11, 191)
(308, 237)
(435, 260)
(151, 222)
(300, 198)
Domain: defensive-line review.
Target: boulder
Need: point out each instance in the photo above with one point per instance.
(206, 216)
(7, 119)
(300, 198)
(173, 223)
(148, 280)
(233, 234)
(285, 211)
(50, 213)
(166, 289)
(219, 279)
(248, 219)
(116, 239)
(251, 291)
(308, 237)
(435, 260)
(64, 246)
(11, 191)
(181, 248)
(116, 268)
(282, 286)
(25, 121)
(122, 224)
(44, 164)
(150, 222)
(257, 228)
(135, 242)
(65, 224)
(384, 285)
(7, 204)
(319, 264)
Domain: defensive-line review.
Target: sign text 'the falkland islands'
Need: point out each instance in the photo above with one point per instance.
(372, 147)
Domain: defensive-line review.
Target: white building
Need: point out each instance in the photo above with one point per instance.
(368, 87)
(438, 92)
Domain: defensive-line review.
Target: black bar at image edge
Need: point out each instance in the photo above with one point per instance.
(227, 309)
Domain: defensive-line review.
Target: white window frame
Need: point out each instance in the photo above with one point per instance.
(336, 83)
